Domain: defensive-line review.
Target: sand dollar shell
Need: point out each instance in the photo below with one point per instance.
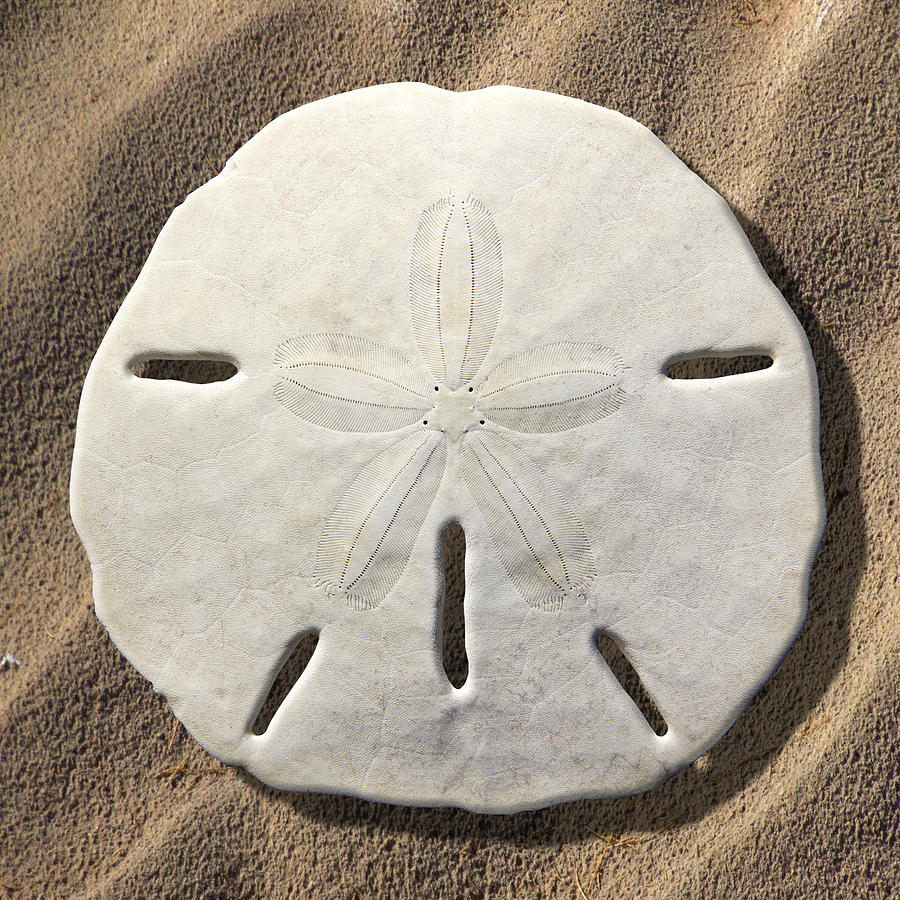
(453, 308)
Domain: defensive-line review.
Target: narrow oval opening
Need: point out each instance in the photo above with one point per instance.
(631, 682)
(717, 366)
(453, 619)
(192, 371)
(291, 669)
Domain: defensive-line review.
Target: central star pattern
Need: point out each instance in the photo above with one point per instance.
(454, 413)
(447, 409)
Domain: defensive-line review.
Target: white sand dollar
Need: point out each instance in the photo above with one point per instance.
(452, 307)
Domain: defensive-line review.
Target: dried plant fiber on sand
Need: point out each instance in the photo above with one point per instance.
(110, 113)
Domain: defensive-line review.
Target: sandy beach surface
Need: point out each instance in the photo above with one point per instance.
(110, 113)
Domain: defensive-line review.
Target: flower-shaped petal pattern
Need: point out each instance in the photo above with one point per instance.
(553, 387)
(536, 535)
(369, 536)
(348, 383)
(456, 279)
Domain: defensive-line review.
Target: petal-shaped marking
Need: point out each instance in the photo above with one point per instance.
(455, 287)
(538, 538)
(349, 383)
(368, 538)
(552, 387)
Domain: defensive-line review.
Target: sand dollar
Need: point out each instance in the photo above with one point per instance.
(444, 308)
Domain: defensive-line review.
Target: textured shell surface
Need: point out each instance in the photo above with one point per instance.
(453, 307)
